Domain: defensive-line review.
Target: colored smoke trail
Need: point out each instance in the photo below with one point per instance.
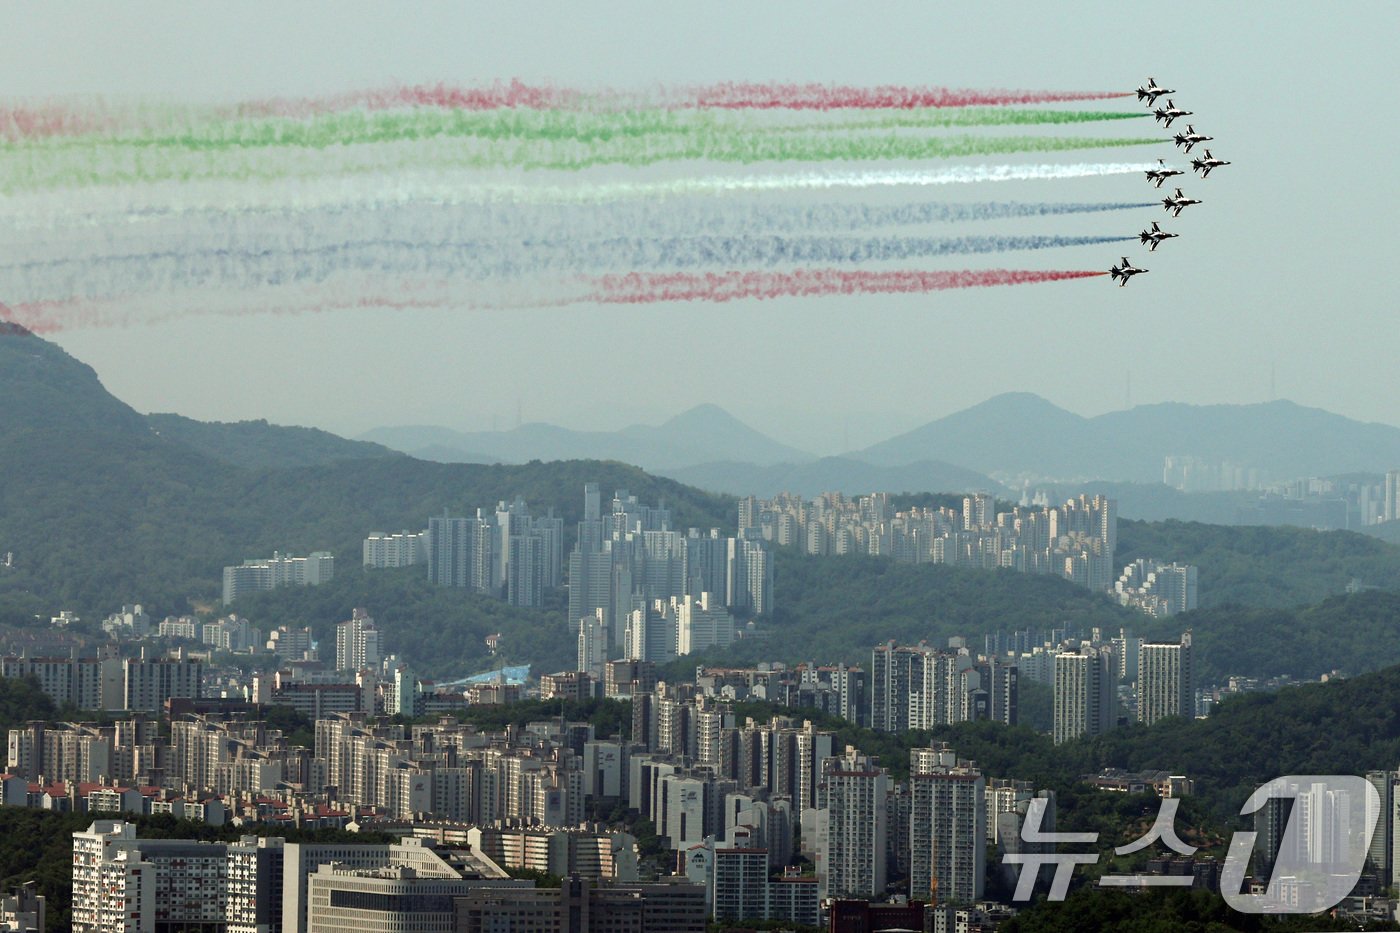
(514, 195)
(93, 205)
(20, 123)
(10, 325)
(351, 294)
(649, 288)
(727, 95)
(67, 119)
(104, 164)
(701, 127)
(341, 293)
(833, 97)
(430, 222)
(95, 277)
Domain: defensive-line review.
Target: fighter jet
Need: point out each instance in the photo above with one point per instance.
(1170, 113)
(1162, 173)
(1190, 137)
(1152, 92)
(1156, 235)
(1178, 202)
(1205, 165)
(1122, 273)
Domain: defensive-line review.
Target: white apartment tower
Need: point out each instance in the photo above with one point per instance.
(852, 792)
(1084, 693)
(1165, 686)
(947, 827)
(357, 643)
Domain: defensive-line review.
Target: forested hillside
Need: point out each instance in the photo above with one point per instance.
(1264, 566)
(257, 444)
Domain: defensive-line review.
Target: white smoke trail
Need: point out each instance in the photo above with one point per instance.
(101, 206)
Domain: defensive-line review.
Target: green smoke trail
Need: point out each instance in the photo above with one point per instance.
(186, 131)
(24, 168)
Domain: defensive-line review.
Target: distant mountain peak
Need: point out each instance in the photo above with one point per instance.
(1020, 403)
(704, 409)
(707, 415)
(11, 329)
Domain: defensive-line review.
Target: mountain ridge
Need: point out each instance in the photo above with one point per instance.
(1282, 439)
(700, 434)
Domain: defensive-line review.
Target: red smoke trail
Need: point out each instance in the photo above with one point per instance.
(52, 317)
(48, 317)
(645, 288)
(20, 123)
(9, 327)
(497, 96)
(884, 97)
(17, 123)
(40, 317)
(375, 293)
(729, 96)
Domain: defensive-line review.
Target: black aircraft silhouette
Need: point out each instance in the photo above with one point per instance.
(1170, 113)
(1162, 173)
(1152, 92)
(1190, 137)
(1122, 273)
(1155, 236)
(1205, 165)
(1178, 202)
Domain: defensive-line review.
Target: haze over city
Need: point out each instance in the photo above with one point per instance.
(689, 468)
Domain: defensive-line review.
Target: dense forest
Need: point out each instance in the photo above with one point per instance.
(259, 445)
(1265, 567)
(1158, 911)
(1350, 634)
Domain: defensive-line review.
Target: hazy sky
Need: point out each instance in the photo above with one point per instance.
(1287, 267)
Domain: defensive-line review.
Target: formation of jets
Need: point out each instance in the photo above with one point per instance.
(1177, 202)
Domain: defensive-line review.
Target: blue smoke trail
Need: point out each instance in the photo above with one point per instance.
(106, 276)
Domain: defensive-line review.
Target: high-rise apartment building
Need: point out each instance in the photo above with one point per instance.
(357, 643)
(701, 623)
(593, 646)
(462, 551)
(254, 576)
(1165, 684)
(919, 687)
(947, 827)
(397, 550)
(750, 575)
(1158, 589)
(1085, 702)
(150, 682)
(852, 792)
(87, 683)
(122, 884)
(525, 570)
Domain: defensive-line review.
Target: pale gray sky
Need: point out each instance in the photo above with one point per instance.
(1287, 265)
